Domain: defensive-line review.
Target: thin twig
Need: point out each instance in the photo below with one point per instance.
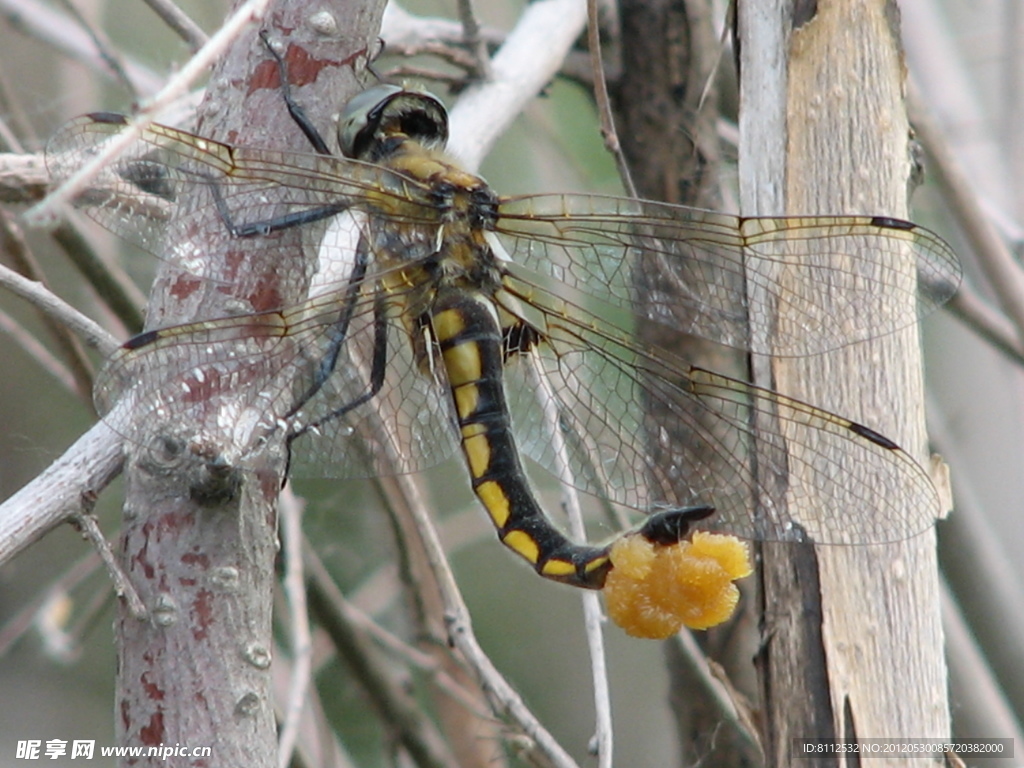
(502, 695)
(111, 283)
(407, 504)
(180, 22)
(318, 744)
(294, 583)
(444, 51)
(531, 56)
(42, 23)
(404, 72)
(7, 136)
(411, 726)
(17, 126)
(592, 613)
(86, 329)
(999, 264)
(604, 105)
(403, 30)
(979, 563)
(987, 322)
(474, 41)
(86, 523)
(980, 694)
(409, 35)
(13, 243)
(103, 47)
(733, 711)
(388, 641)
(57, 493)
(40, 354)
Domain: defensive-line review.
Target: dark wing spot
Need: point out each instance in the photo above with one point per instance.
(108, 118)
(874, 437)
(141, 340)
(889, 223)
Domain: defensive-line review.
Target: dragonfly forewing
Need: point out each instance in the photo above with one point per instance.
(712, 275)
(725, 278)
(200, 204)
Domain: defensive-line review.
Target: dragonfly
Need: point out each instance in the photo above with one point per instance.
(444, 318)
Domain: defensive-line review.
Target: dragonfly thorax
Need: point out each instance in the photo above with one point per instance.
(405, 131)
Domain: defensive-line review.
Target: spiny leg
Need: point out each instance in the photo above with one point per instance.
(299, 218)
(297, 112)
(378, 366)
(266, 227)
(339, 331)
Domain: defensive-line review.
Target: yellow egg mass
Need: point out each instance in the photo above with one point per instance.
(653, 590)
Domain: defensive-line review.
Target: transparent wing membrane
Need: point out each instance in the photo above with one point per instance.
(265, 372)
(712, 275)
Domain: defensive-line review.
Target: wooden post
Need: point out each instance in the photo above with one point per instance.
(852, 645)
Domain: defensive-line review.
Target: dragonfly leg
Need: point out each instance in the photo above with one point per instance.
(299, 218)
(294, 108)
(339, 330)
(269, 226)
(378, 366)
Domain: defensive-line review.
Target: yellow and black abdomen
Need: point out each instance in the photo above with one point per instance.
(468, 332)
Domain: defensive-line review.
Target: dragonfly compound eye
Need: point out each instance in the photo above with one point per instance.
(386, 111)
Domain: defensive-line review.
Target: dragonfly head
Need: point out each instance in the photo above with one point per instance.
(386, 112)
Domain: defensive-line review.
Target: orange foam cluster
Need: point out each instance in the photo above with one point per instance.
(653, 590)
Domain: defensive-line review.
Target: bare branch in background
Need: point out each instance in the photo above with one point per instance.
(1000, 266)
(41, 22)
(300, 640)
(91, 333)
(104, 49)
(249, 13)
(180, 22)
(85, 469)
(473, 40)
(87, 525)
(530, 57)
(23, 178)
(34, 349)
